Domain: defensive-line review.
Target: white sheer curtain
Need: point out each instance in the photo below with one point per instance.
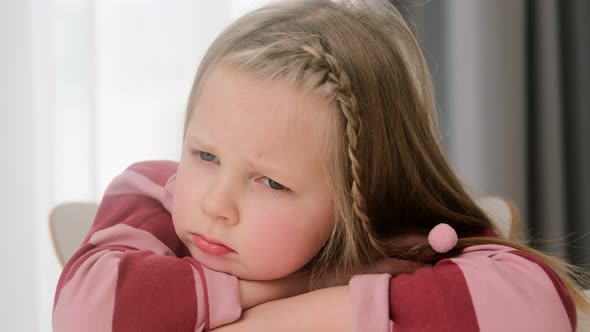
(18, 240)
(86, 88)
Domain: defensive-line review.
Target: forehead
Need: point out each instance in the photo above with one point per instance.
(270, 120)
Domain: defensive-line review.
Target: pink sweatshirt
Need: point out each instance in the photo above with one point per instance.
(132, 273)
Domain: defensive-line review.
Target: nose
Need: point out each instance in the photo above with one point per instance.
(218, 203)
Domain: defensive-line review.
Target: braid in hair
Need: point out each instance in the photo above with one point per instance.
(347, 103)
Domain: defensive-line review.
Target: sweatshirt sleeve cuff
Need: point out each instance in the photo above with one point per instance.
(370, 302)
(224, 298)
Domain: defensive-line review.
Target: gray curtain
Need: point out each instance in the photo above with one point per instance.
(512, 80)
(558, 35)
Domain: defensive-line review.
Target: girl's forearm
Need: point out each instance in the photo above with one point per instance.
(253, 293)
(323, 310)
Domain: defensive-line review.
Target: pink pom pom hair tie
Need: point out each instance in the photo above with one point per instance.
(442, 238)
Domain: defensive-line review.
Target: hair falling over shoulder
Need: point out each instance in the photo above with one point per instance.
(387, 170)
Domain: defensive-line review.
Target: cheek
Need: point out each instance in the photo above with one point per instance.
(177, 209)
(184, 200)
(282, 243)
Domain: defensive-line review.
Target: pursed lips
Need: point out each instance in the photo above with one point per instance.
(209, 245)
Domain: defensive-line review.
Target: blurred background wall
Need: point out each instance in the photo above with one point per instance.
(88, 87)
(512, 80)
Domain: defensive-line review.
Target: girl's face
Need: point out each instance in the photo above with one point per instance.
(250, 198)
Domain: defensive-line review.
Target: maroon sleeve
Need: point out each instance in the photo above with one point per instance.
(487, 287)
(432, 299)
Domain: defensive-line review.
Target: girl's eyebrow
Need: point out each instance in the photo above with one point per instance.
(195, 140)
(261, 166)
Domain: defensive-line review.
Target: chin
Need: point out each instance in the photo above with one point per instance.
(238, 270)
(273, 274)
(209, 263)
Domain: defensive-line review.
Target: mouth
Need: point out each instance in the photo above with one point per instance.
(210, 246)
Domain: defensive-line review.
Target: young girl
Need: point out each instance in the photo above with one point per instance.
(310, 155)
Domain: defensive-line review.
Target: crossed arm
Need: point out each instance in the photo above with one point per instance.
(327, 309)
(285, 305)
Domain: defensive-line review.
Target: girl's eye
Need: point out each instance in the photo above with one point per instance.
(273, 184)
(206, 156)
(209, 157)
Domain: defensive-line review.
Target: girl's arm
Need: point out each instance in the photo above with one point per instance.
(254, 293)
(363, 305)
(488, 287)
(323, 310)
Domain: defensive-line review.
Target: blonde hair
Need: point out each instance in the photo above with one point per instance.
(388, 173)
